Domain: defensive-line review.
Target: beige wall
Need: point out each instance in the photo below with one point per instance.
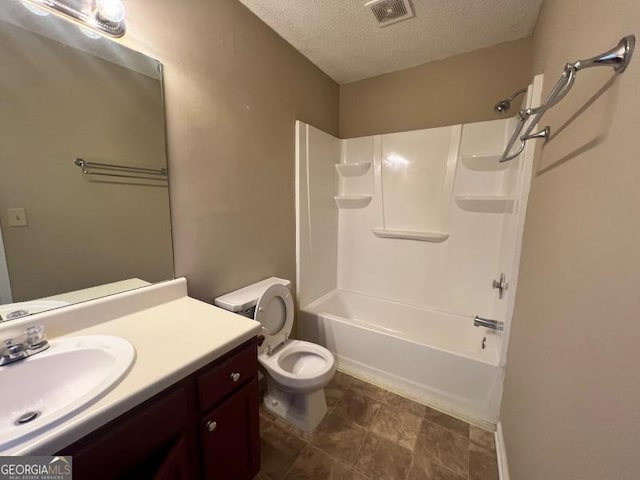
(233, 92)
(58, 104)
(570, 408)
(460, 89)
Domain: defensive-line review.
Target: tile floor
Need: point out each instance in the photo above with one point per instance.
(372, 434)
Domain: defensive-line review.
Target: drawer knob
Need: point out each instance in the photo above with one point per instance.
(211, 426)
(235, 376)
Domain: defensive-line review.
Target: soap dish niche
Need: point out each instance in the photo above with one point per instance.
(353, 169)
(352, 201)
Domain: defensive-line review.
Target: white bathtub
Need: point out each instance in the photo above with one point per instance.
(434, 357)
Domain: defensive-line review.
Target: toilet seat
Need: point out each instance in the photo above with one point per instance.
(274, 312)
(282, 372)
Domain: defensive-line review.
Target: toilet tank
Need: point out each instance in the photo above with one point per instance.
(243, 301)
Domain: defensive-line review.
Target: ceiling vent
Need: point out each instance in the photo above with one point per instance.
(390, 11)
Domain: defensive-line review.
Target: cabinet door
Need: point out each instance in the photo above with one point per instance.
(176, 464)
(230, 437)
(134, 445)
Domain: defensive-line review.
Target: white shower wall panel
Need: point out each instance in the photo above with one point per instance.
(316, 212)
(455, 275)
(413, 172)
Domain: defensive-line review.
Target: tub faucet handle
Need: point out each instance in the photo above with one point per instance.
(500, 285)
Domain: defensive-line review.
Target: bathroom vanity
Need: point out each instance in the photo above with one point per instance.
(187, 407)
(205, 426)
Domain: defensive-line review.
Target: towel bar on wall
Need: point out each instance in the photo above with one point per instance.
(104, 169)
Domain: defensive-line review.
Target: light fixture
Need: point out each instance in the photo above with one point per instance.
(105, 17)
(41, 12)
(110, 10)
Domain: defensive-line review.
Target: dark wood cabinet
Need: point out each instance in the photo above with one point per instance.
(229, 438)
(204, 426)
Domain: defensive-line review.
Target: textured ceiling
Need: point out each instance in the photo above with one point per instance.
(343, 38)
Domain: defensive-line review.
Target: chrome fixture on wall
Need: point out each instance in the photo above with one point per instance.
(501, 285)
(122, 171)
(488, 323)
(103, 16)
(618, 58)
(503, 106)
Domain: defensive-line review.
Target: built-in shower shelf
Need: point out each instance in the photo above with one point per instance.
(352, 201)
(485, 163)
(485, 204)
(422, 236)
(353, 169)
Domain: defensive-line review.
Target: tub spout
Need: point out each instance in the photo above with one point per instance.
(488, 323)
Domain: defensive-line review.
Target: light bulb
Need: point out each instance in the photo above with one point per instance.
(111, 10)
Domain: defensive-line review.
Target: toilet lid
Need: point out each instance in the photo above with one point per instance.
(274, 311)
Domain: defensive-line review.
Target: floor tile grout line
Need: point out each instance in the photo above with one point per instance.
(406, 477)
(295, 460)
(375, 417)
(355, 457)
(447, 429)
(437, 461)
(357, 451)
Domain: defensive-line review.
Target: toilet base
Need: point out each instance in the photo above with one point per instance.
(302, 410)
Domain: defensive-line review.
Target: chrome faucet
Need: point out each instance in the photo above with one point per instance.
(31, 342)
(488, 323)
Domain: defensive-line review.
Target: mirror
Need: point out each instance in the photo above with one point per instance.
(72, 231)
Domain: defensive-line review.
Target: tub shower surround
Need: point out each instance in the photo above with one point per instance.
(401, 241)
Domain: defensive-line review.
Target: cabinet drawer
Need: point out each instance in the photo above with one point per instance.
(225, 378)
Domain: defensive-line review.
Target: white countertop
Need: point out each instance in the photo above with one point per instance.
(172, 340)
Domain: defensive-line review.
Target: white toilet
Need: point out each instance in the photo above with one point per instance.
(296, 371)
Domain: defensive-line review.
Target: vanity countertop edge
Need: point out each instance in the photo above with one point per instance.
(172, 340)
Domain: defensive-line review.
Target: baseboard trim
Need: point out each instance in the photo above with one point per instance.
(501, 451)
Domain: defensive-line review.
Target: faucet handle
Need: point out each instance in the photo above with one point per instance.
(35, 336)
(11, 351)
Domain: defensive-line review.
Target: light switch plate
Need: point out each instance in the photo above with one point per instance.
(17, 217)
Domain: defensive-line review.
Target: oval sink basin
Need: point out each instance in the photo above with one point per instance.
(51, 386)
